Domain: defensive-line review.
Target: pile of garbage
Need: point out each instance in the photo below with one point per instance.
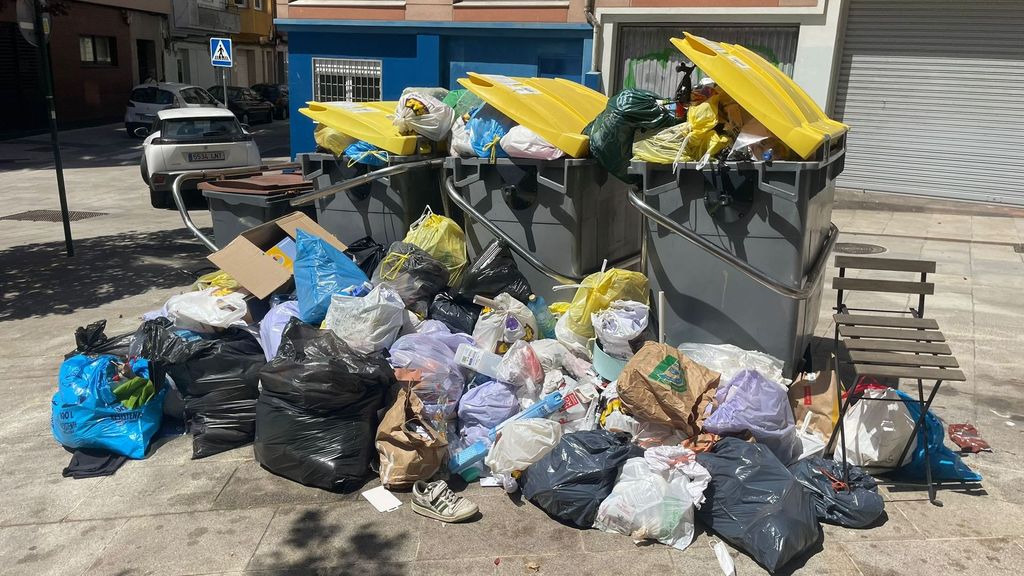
(420, 366)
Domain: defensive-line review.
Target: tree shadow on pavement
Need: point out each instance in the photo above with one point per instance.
(39, 280)
(312, 546)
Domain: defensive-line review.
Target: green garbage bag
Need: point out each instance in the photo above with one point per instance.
(612, 132)
(462, 101)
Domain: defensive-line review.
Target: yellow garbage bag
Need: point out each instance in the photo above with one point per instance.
(599, 290)
(219, 279)
(703, 139)
(662, 147)
(330, 139)
(443, 239)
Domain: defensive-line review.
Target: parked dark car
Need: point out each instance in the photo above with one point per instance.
(248, 106)
(276, 94)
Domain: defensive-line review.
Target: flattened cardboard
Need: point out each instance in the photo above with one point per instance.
(245, 259)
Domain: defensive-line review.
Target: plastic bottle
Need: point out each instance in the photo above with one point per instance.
(545, 319)
(478, 360)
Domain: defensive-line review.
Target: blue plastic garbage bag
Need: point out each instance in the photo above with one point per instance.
(947, 466)
(320, 271)
(362, 152)
(751, 402)
(86, 414)
(485, 129)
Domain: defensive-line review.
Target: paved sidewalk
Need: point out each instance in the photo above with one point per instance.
(225, 515)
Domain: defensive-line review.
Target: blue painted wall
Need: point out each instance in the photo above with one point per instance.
(426, 54)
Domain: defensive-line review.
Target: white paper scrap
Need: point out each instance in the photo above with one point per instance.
(381, 499)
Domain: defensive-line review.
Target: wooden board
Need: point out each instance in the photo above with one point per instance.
(909, 372)
(894, 359)
(897, 346)
(893, 264)
(885, 321)
(868, 285)
(891, 334)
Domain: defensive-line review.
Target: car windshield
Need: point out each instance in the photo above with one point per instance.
(201, 130)
(234, 93)
(197, 96)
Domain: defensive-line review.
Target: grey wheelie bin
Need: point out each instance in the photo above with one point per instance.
(562, 218)
(368, 202)
(239, 204)
(739, 248)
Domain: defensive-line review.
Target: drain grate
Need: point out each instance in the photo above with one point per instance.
(857, 248)
(51, 216)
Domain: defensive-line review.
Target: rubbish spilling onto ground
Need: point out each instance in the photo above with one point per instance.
(430, 356)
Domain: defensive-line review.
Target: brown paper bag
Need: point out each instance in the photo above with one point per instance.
(410, 448)
(661, 385)
(816, 393)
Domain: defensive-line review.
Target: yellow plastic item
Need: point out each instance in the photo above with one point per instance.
(368, 121)
(663, 146)
(331, 139)
(556, 109)
(442, 238)
(703, 140)
(558, 308)
(599, 290)
(219, 279)
(763, 91)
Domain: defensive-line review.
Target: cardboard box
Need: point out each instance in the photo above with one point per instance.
(246, 258)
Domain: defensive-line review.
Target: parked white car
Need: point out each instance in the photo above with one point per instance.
(193, 139)
(148, 99)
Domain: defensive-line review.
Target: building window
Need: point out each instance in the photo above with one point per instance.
(339, 80)
(100, 50)
(242, 3)
(257, 4)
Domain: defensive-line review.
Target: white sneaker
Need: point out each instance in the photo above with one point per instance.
(437, 501)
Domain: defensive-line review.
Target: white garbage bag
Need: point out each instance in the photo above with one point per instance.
(367, 323)
(877, 431)
(522, 443)
(201, 311)
(521, 142)
(729, 360)
(521, 368)
(618, 324)
(425, 115)
(461, 146)
(497, 329)
(655, 497)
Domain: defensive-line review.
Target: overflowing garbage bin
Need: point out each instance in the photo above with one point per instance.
(739, 246)
(565, 217)
(239, 204)
(375, 190)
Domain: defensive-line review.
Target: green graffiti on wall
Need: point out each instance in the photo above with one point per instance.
(666, 59)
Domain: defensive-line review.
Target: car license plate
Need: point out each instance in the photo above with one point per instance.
(205, 156)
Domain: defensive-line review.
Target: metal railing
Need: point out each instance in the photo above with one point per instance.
(385, 172)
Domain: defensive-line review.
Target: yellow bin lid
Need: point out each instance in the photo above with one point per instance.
(556, 109)
(369, 121)
(763, 91)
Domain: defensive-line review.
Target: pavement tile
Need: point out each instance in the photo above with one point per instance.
(826, 558)
(143, 490)
(337, 535)
(894, 525)
(178, 450)
(31, 456)
(197, 543)
(44, 498)
(58, 549)
(523, 529)
(991, 557)
(963, 514)
(652, 561)
(251, 486)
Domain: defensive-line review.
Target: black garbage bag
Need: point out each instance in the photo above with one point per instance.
(414, 274)
(494, 272)
(570, 482)
(857, 507)
(613, 131)
(367, 254)
(457, 314)
(755, 504)
(92, 340)
(218, 377)
(317, 415)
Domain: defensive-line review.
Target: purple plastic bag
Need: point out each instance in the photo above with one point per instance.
(751, 402)
(487, 405)
(272, 326)
(432, 352)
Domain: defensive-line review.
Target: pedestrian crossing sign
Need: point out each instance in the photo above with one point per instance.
(220, 52)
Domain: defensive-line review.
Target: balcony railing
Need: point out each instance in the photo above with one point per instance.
(205, 16)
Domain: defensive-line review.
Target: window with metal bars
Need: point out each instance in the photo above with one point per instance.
(344, 80)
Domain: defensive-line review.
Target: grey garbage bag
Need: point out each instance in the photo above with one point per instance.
(857, 507)
(754, 503)
(571, 481)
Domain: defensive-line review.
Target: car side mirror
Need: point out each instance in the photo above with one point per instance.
(246, 128)
(141, 132)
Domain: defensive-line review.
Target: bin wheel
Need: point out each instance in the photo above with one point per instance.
(162, 200)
